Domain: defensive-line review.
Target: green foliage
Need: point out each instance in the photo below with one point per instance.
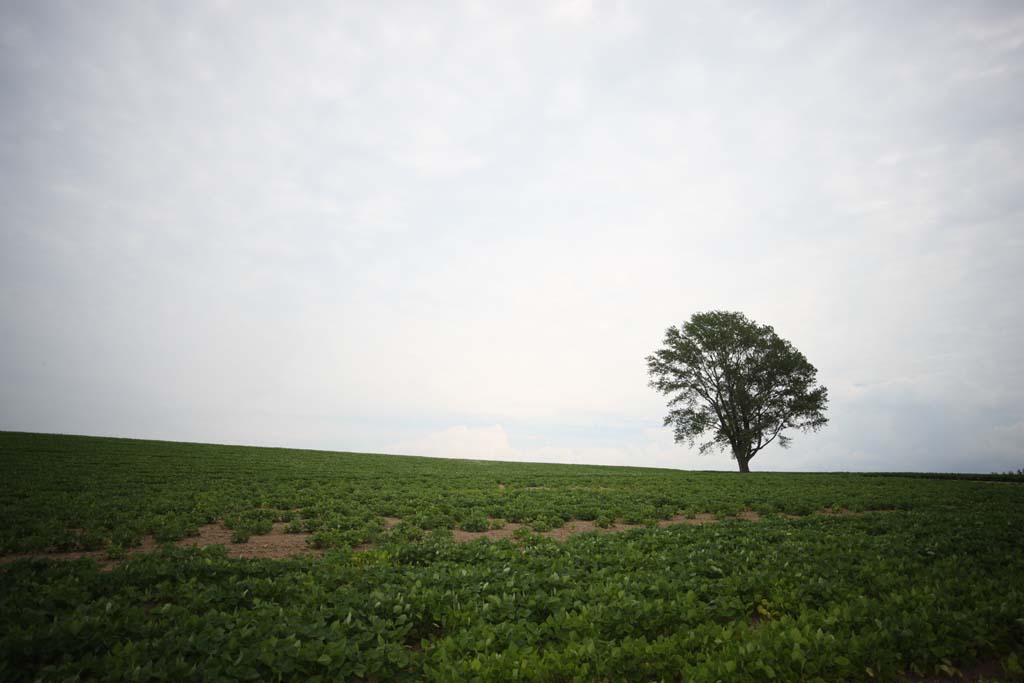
(1011, 476)
(476, 521)
(832, 600)
(78, 493)
(923, 583)
(250, 523)
(738, 381)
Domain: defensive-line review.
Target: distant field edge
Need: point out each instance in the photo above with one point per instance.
(1008, 477)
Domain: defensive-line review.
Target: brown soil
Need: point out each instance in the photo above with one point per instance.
(506, 531)
(148, 545)
(274, 545)
(576, 527)
(702, 518)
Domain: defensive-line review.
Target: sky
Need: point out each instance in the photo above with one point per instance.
(457, 229)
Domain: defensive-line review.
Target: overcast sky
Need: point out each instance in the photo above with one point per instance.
(458, 228)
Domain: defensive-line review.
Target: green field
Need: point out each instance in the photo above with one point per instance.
(842, 578)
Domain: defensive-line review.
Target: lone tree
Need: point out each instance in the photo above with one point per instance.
(736, 381)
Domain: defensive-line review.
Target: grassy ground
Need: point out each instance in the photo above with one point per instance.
(922, 580)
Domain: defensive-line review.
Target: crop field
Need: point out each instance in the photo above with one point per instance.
(127, 560)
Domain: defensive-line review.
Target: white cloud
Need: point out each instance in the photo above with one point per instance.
(572, 11)
(648, 448)
(460, 441)
(1006, 442)
(399, 219)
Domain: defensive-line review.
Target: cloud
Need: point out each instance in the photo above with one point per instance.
(355, 226)
(572, 11)
(647, 448)
(477, 443)
(1004, 443)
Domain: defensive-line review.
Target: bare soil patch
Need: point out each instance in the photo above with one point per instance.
(702, 518)
(274, 545)
(576, 527)
(101, 557)
(507, 531)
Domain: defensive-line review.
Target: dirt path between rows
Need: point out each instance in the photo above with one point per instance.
(278, 544)
(274, 545)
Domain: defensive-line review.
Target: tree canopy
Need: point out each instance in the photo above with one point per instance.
(735, 384)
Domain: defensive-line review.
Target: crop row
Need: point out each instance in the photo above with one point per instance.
(820, 599)
(80, 493)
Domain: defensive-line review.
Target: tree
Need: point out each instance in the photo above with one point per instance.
(736, 381)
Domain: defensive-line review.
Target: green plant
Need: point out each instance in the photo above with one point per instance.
(475, 522)
(923, 582)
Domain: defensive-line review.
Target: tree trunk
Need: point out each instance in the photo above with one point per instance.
(742, 459)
